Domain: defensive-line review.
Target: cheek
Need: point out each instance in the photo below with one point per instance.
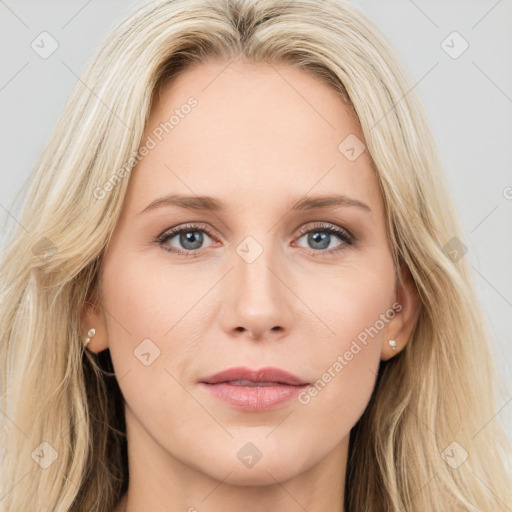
(142, 304)
(356, 307)
(152, 332)
(145, 316)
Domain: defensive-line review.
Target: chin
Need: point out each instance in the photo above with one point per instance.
(258, 476)
(267, 470)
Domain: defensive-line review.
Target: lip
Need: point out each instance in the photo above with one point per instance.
(254, 390)
(266, 374)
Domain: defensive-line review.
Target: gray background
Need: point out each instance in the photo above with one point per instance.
(468, 100)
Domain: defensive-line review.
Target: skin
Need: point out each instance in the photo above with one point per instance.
(260, 138)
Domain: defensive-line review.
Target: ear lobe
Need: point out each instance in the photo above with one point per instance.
(401, 326)
(93, 318)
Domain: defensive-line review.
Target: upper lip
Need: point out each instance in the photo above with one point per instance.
(267, 374)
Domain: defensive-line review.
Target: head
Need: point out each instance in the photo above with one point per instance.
(251, 288)
(260, 106)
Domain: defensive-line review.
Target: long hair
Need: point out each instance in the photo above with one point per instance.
(428, 440)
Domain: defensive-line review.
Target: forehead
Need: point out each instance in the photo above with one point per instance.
(252, 130)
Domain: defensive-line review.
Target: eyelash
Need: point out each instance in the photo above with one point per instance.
(344, 235)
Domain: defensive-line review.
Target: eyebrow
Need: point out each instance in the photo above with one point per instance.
(207, 203)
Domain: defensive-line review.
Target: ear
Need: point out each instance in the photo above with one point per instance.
(94, 318)
(407, 310)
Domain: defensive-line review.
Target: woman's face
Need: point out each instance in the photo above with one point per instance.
(252, 281)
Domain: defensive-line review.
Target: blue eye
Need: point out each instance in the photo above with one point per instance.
(191, 238)
(320, 237)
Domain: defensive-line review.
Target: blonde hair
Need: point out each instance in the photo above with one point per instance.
(441, 389)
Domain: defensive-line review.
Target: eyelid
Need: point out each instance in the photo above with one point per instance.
(328, 226)
(198, 226)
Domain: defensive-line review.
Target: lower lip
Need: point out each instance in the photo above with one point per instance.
(254, 398)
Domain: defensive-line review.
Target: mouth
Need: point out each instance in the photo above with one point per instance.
(254, 390)
(250, 383)
(242, 376)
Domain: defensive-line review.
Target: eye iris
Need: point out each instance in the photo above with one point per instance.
(318, 236)
(191, 236)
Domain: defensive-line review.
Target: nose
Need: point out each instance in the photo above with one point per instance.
(259, 301)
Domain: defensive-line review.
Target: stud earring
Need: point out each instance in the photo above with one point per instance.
(90, 334)
(392, 344)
